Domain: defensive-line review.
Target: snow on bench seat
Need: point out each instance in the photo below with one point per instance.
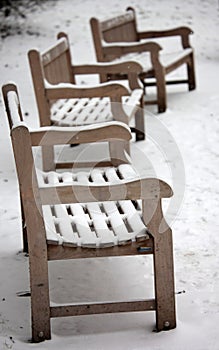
(166, 58)
(97, 224)
(85, 111)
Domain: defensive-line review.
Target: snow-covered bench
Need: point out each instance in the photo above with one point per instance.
(62, 102)
(88, 214)
(117, 39)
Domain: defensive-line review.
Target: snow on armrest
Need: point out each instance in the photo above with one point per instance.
(13, 105)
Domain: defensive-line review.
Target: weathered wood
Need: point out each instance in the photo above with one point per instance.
(63, 252)
(53, 76)
(116, 37)
(163, 264)
(86, 164)
(88, 214)
(142, 188)
(40, 305)
(183, 32)
(70, 91)
(54, 52)
(103, 308)
(132, 67)
(119, 49)
(38, 83)
(63, 136)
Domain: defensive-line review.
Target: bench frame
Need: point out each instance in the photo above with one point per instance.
(54, 78)
(33, 197)
(118, 36)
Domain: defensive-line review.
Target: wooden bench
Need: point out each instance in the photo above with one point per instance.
(118, 39)
(88, 214)
(62, 102)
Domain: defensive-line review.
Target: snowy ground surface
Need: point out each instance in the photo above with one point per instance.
(181, 147)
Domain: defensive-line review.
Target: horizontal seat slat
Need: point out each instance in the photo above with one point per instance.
(133, 218)
(84, 111)
(51, 233)
(117, 223)
(80, 219)
(52, 178)
(67, 233)
(105, 235)
(127, 171)
(97, 224)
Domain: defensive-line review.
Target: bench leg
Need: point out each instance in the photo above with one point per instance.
(40, 305)
(163, 265)
(139, 123)
(191, 73)
(164, 282)
(161, 88)
(38, 267)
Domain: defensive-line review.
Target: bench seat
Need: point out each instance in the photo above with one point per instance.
(93, 225)
(85, 111)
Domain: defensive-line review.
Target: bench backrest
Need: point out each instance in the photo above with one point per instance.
(118, 29)
(54, 66)
(57, 62)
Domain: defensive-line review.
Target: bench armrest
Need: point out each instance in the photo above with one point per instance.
(55, 135)
(183, 32)
(131, 69)
(150, 190)
(122, 48)
(146, 189)
(108, 68)
(66, 90)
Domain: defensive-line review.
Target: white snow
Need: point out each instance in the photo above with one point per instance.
(181, 148)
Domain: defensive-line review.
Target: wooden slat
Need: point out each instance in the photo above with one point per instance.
(86, 111)
(67, 177)
(97, 110)
(134, 220)
(102, 234)
(87, 236)
(144, 188)
(106, 236)
(68, 235)
(117, 21)
(100, 224)
(112, 211)
(65, 165)
(54, 51)
(111, 175)
(128, 172)
(64, 223)
(82, 177)
(100, 308)
(52, 178)
(51, 234)
(63, 252)
(98, 177)
(118, 226)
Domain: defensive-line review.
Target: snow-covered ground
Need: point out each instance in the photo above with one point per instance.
(181, 148)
